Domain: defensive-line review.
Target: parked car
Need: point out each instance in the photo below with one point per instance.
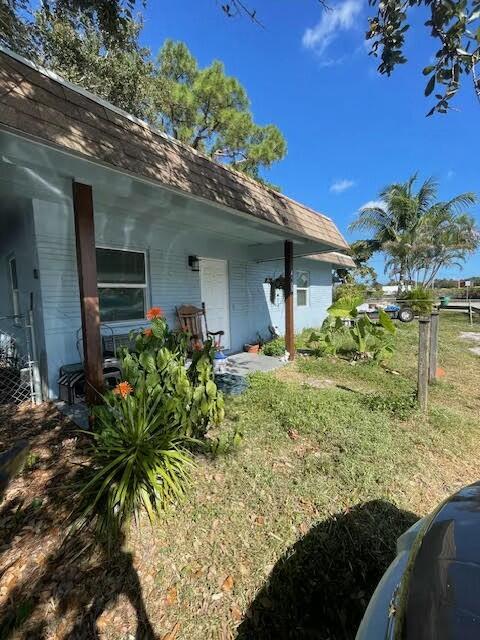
(431, 591)
(402, 312)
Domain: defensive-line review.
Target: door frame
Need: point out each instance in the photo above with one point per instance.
(223, 261)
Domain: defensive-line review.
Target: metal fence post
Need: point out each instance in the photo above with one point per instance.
(36, 381)
(432, 369)
(423, 360)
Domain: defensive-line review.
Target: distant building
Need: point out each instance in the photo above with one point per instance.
(391, 289)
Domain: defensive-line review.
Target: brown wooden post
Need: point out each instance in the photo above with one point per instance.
(423, 359)
(432, 369)
(87, 280)
(289, 320)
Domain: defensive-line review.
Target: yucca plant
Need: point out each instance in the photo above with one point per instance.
(138, 461)
(146, 427)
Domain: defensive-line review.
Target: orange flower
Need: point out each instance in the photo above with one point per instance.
(154, 312)
(197, 345)
(123, 389)
(148, 333)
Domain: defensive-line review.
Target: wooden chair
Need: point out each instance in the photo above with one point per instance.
(193, 320)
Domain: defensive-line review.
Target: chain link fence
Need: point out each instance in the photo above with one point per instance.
(18, 369)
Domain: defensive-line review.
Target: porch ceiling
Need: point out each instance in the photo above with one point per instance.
(30, 169)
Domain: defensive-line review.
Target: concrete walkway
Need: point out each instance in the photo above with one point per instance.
(78, 413)
(241, 364)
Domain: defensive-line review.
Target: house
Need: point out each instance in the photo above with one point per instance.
(101, 216)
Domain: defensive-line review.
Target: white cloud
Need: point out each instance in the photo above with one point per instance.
(372, 204)
(340, 17)
(339, 186)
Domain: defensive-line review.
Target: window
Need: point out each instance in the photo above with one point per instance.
(302, 281)
(12, 267)
(122, 284)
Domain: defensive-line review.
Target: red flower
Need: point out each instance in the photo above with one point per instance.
(148, 333)
(197, 345)
(123, 389)
(154, 312)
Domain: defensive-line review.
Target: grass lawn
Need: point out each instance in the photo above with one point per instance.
(286, 538)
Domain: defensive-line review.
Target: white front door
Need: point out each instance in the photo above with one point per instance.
(214, 291)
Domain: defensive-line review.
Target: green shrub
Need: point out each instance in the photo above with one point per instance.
(275, 347)
(350, 290)
(190, 396)
(146, 426)
(226, 443)
(329, 339)
(420, 299)
(370, 340)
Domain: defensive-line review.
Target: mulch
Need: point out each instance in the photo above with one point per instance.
(54, 585)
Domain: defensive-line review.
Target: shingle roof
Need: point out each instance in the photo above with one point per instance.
(39, 103)
(340, 259)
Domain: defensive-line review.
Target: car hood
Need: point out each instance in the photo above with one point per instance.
(439, 595)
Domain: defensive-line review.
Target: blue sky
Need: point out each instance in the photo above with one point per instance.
(349, 131)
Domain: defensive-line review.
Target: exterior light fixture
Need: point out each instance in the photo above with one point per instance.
(194, 263)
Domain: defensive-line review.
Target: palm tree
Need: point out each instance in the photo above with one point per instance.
(418, 234)
(444, 239)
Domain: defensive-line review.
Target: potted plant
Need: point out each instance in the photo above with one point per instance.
(254, 347)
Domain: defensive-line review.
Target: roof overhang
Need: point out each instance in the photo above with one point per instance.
(336, 258)
(39, 107)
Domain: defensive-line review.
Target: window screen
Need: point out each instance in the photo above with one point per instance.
(302, 282)
(122, 284)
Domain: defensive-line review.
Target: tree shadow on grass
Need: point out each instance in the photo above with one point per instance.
(321, 586)
(52, 585)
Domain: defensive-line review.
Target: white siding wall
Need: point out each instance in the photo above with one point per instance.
(17, 239)
(172, 283)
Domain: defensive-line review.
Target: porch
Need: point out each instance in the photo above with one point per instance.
(111, 216)
(165, 230)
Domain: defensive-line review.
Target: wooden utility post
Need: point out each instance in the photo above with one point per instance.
(289, 320)
(423, 360)
(87, 281)
(432, 369)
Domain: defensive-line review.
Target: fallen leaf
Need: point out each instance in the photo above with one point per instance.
(304, 528)
(260, 519)
(293, 434)
(172, 634)
(236, 612)
(171, 597)
(103, 622)
(227, 584)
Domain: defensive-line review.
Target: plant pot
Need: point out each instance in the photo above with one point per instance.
(252, 348)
